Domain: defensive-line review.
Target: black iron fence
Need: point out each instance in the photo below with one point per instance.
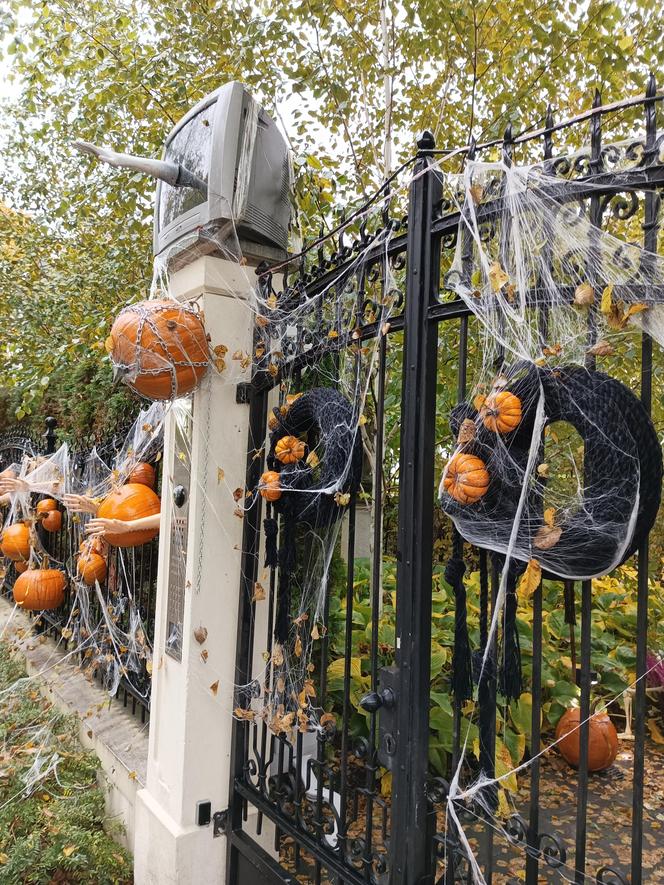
(335, 814)
(111, 634)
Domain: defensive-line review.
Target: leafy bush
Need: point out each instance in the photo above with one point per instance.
(52, 816)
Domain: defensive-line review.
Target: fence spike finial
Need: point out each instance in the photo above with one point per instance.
(426, 142)
(651, 85)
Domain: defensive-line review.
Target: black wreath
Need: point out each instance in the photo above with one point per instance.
(621, 449)
(310, 493)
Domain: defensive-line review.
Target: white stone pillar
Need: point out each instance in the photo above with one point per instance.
(192, 698)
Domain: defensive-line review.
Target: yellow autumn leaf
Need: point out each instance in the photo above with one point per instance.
(607, 300)
(655, 733)
(68, 850)
(479, 401)
(549, 516)
(497, 276)
(584, 295)
(530, 579)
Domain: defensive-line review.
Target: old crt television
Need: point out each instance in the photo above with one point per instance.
(230, 143)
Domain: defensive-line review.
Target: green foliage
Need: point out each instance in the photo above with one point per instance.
(52, 828)
(613, 656)
(121, 72)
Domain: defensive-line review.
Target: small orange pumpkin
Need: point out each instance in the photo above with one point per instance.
(40, 589)
(159, 348)
(91, 545)
(602, 739)
(466, 478)
(501, 412)
(16, 541)
(269, 486)
(92, 567)
(47, 505)
(131, 501)
(143, 473)
(52, 521)
(21, 566)
(289, 450)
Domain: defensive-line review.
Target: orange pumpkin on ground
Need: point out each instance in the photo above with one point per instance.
(16, 541)
(501, 412)
(130, 501)
(21, 566)
(52, 522)
(40, 589)
(289, 450)
(159, 348)
(466, 478)
(143, 473)
(269, 486)
(47, 505)
(92, 567)
(602, 739)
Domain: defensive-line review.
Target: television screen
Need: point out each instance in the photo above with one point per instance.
(191, 146)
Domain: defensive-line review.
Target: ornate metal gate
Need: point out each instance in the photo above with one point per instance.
(323, 808)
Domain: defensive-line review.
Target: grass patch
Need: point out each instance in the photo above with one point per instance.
(52, 816)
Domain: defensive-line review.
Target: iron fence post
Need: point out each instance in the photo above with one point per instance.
(411, 854)
(49, 436)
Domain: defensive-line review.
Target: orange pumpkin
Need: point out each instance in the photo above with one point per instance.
(130, 501)
(289, 450)
(501, 412)
(269, 486)
(47, 505)
(91, 545)
(466, 478)
(143, 473)
(92, 567)
(21, 566)
(159, 348)
(16, 541)
(602, 739)
(40, 589)
(52, 521)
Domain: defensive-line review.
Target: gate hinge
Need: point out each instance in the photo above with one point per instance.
(220, 823)
(243, 393)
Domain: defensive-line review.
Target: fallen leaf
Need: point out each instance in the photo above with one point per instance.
(476, 192)
(68, 850)
(214, 688)
(314, 632)
(259, 592)
(530, 579)
(200, 635)
(584, 295)
(655, 733)
(298, 647)
(204, 655)
(607, 300)
(497, 276)
(466, 432)
(237, 494)
(543, 470)
(244, 715)
(547, 537)
(553, 350)
(549, 516)
(132, 775)
(601, 348)
(479, 401)
(342, 499)
(313, 460)
(278, 656)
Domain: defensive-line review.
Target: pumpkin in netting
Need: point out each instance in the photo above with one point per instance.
(143, 473)
(289, 450)
(602, 739)
(21, 566)
(47, 505)
(466, 478)
(52, 521)
(269, 485)
(129, 502)
(501, 412)
(91, 545)
(40, 589)
(91, 567)
(16, 542)
(159, 348)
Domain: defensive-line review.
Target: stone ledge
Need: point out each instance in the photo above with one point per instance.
(119, 739)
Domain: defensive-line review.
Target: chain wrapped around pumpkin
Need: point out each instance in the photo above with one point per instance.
(315, 466)
(159, 348)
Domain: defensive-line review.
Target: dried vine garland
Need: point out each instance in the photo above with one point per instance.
(315, 466)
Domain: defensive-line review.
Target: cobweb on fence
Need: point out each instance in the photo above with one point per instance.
(557, 468)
